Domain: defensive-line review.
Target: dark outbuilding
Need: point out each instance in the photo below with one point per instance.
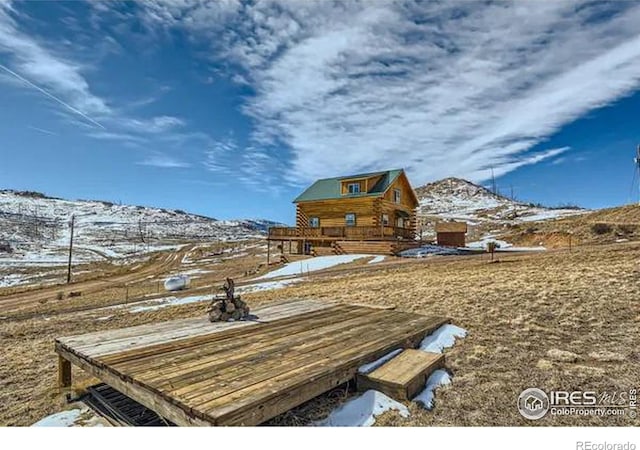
(451, 234)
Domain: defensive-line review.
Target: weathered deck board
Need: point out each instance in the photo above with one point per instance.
(196, 373)
(115, 341)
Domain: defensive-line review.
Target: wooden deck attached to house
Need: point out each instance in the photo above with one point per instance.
(374, 233)
(193, 372)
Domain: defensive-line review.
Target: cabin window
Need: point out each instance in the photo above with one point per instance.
(314, 222)
(350, 219)
(385, 219)
(400, 222)
(396, 195)
(353, 188)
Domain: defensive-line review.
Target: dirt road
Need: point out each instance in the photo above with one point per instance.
(16, 302)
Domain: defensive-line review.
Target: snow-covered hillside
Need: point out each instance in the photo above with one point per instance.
(455, 198)
(35, 228)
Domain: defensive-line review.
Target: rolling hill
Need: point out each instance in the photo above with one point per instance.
(458, 199)
(35, 228)
(488, 215)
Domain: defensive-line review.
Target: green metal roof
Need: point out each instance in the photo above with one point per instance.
(329, 188)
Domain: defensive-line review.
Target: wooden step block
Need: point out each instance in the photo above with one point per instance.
(404, 376)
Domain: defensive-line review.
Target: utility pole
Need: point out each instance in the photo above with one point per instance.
(35, 213)
(636, 160)
(268, 251)
(73, 219)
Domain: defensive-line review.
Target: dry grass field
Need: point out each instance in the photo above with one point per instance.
(554, 320)
(604, 226)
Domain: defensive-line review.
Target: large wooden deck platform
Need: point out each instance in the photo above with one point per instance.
(193, 372)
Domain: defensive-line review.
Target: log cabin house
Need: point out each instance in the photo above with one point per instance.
(363, 213)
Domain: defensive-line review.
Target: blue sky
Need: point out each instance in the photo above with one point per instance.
(230, 109)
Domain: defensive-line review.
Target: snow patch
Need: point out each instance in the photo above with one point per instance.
(377, 259)
(434, 250)
(13, 280)
(61, 419)
(312, 265)
(438, 378)
(503, 246)
(363, 410)
(266, 286)
(482, 244)
(78, 417)
(370, 367)
(443, 337)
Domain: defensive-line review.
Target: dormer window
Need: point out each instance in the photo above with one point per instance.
(353, 188)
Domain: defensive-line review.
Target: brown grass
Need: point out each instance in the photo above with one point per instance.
(556, 320)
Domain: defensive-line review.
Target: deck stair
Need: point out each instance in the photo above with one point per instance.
(404, 376)
(370, 247)
(373, 247)
(337, 249)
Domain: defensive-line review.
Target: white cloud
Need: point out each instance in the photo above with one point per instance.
(261, 169)
(505, 166)
(441, 88)
(158, 124)
(129, 139)
(164, 161)
(203, 15)
(220, 156)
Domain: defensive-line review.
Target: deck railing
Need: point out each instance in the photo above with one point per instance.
(348, 233)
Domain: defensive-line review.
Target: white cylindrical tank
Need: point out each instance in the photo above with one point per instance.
(177, 283)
